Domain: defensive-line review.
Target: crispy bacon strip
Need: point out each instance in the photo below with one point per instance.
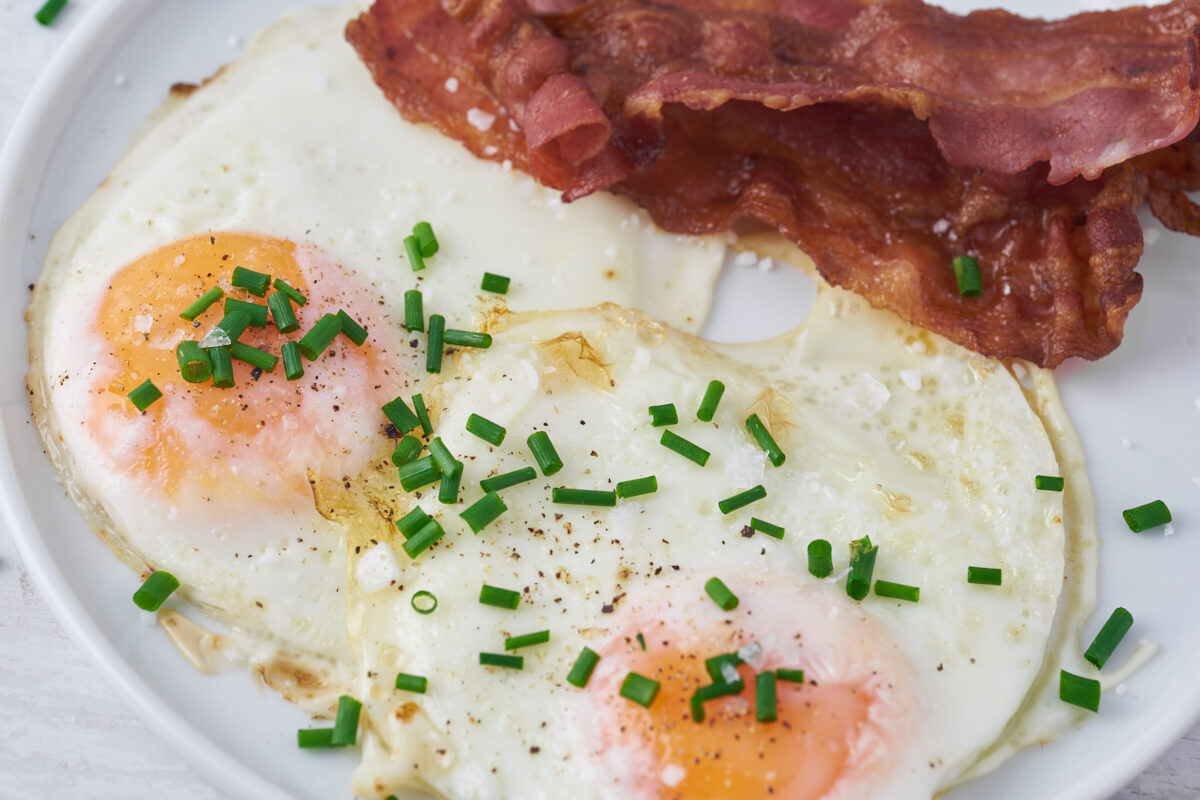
(710, 117)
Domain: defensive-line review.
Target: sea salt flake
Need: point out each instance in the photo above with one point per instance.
(869, 394)
(451, 85)
(480, 119)
(673, 775)
(911, 378)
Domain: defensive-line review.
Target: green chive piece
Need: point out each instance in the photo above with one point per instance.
(411, 683)
(412, 248)
(414, 311)
(51, 9)
(222, 361)
(985, 576)
(639, 689)
(502, 660)
(663, 415)
(820, 558)
(712, 692)
(770, 529)
(790, 675)
(194, 362)
(1151, 515)
(407, 450)
(484, 511)
(765, 700)
(423, 539)
(285, 288)
(966, 273)
(485, 429)
(507, 479)
(422, 413)
(293, 367)
(442, 456)
(692, 452)
(1079, 691)
(720, 594)
(581, 670)
(412, 522)
(345, 725)
(155, 590)
(451, 481)
(429, 243)
(416, 474)
(351, 329)
(642, 641)
(320, 336)
(544, 453)
(710, 401)
(898, 591)
(400, 415)
(234, 323)
(459, 338)
(424, 602)
(256, 311)
(1048, 483)
(309, 738)
(255, 283)
(638, 486)
(201, 303)
(862, 567)
(583, 497)
(434, 345)
(765, 440)
(281, 312)
(495, 283)
(500, 598)
(1106, 641)
(253, 356)
(742, 499)
(526, 640)
(717, 666)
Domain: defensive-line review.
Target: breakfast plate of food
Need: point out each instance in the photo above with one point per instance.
(617, 399)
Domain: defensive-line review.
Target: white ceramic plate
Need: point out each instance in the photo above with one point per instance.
(1137, 412)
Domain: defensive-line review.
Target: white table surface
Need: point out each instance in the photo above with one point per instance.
(64, 732)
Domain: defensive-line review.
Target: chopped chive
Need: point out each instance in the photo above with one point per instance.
(717, 666)
(423, 539)
(451, 480)
(642, 641)
(201, 303)
(770, 529)
(544, 453)
(765, 440)
(458, 338)
(1048, 483)
(400, 415)
(663, 415)
(309, 738)
(255, 311)
(234, 323)
(1106, 641)
(712, 692)
(414, 311)
(412, 522)
(194, 362)
(720, 594)
(1079, 691)
(320, 336)
(862, 567)
(966, 274)
(639, 689)
(411, 683)
(583, 497)
(581, 670)
(287, 289)
(254, 282)
(485, 429)
(710, 401)
(155, 590)
(985, 576)
(1151, 515)
(293, 367)
(434, 345)
(281, 312)
(495, 283)
(500, 598)
(820, 558)
(637, 486)
(526, 640)
(742, 499)
(441, 455)
(345, 725)
(692, 452)
(222, 362)
(790, 675)
(424, 602)
(416, 474)
(407, 450)
(898, 591)
(253, 356)
(765, 700)
(422, 413)
(49, 10)
(412, 248)
(502, 660)
(351, 329)
(429, 243)
(507, 479)
(484, 511)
